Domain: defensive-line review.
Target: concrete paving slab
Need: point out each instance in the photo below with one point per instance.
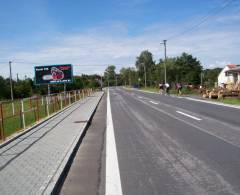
(32, 163)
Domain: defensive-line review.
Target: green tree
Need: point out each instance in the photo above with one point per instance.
(22, 88)
(109, 76)
(188, 69)
(144, 63)
(171, 69)
(210, 76)
(4, 90)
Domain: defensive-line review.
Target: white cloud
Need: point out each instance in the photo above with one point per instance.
(213, 45)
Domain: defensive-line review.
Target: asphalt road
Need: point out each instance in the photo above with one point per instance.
(169, 145)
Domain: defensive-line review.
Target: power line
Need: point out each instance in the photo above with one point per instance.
(214, 12)
(107, 64)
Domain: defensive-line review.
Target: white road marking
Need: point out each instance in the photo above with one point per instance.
(193, 99)
(215, 103)
(190, 124)
(188, 115)
(113, 180)
(140, 97)
(154, 102)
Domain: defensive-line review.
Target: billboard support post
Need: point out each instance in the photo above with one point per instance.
(64, 88)
(49, 92)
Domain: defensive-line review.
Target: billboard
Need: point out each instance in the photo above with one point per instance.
(53, 74)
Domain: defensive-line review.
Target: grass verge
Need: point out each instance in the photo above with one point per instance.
(230, 100)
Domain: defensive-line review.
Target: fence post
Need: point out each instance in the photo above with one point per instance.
(65, 100)
(79, 95)
(30, 102)
(23, 114)
(42, 100)
(47, 105)
(61, 101)
(83, 93)
(69, 97)
(38, 111)
(2, 126)
(13, 108)
(75, 95)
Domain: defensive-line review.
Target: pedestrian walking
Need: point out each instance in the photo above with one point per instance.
(161, 88)
(179, 88)
(167, 87)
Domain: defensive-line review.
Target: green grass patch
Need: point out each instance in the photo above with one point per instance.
(13, 123)
(230, 100)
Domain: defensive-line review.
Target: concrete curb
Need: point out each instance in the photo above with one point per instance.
(54, 186)
(22, 132)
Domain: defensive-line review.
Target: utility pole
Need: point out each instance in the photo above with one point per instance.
(49, 90)
(64, 88)
(101, 81)
(201, 78)
(165, 59)
(145, 75)
(11, 87)
(17, 77)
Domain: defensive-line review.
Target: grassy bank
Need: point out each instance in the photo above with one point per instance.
(230, 100)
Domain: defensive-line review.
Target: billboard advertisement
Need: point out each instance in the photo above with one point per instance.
(53, 74)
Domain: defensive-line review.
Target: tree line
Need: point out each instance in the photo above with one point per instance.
(26, 88)
(184, 69)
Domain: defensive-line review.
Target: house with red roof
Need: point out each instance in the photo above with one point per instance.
(229, 75)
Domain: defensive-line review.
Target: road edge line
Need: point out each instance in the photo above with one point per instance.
(189, 98)
(214, 103)
(113, 181)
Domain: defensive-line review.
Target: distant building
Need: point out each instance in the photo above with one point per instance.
(230, 74)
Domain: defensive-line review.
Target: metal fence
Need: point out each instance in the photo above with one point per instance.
(19, 114)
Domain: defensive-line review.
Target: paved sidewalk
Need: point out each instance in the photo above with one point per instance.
(32, 163)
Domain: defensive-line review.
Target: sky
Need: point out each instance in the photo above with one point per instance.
(94, 34)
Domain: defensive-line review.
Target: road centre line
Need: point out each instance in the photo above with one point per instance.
(188, 115)
(188, 123)
(187, 111)
(154, 102)
(113, 181)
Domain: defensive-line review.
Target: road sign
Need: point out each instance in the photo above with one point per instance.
(53, 74)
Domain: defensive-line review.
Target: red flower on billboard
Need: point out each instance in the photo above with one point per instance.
(57, 74)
